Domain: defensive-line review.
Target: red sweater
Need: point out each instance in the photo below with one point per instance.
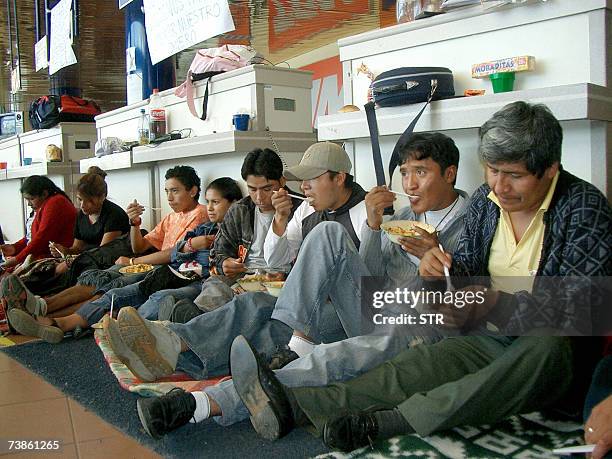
(53, 222)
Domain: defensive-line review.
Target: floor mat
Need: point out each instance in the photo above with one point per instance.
(77, 368)
(530, 436)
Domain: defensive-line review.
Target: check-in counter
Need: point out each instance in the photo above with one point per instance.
(571, 48)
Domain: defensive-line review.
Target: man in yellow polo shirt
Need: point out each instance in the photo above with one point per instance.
(531, 220)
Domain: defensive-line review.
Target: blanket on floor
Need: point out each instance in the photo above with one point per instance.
(532, 436)
(128, 381)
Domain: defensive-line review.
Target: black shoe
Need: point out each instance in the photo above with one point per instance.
(160, 415)
(258, 388)
(350, 431)
(281, 357)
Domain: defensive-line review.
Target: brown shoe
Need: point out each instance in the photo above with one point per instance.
(123, 353)
(155, 346)
(27, 325)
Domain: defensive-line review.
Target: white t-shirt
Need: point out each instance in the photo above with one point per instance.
(255, 258)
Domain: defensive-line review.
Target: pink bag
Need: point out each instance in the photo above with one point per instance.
(209, 62)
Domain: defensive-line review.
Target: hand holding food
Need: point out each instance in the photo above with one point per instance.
(57, 250)
(8, 250)
(134, 210)
(376, 201)
(420, 243)
(433, 262)
(233, 266)
(281, 201)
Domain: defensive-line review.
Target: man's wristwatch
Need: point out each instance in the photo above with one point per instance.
(135, 221)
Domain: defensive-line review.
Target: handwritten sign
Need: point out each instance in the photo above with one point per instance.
(62, 54)
(177, 25)
(40, 54)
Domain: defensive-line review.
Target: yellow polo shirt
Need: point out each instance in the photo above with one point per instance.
(509, 259)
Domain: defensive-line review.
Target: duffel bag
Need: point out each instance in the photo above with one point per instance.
(77, 109)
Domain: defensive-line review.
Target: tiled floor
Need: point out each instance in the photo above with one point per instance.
(31, 408)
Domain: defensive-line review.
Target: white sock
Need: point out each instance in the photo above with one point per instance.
(301, 346)
(202, 410)
(41, 307)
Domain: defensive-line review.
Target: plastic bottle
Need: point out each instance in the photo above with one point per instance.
(143, 128)
(157, 114)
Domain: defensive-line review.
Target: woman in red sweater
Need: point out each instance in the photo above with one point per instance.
(54, 221)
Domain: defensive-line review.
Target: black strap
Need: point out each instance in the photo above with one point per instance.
(205, 101)
(394, 160)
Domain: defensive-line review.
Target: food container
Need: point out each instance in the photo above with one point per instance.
(274, 288)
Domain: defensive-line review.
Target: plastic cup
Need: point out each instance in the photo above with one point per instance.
(502, 82)
(241, 122)
(27, 161)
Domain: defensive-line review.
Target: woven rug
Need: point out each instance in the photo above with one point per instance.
(531, 436)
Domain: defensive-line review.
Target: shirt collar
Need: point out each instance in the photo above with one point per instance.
(545, 203)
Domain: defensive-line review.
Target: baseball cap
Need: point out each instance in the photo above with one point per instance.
(318, 159)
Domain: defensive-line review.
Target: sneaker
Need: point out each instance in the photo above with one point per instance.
(281, 357)
(350, 431)
(260, 391)
(154, 344)
(123, 353)
(27, 325)
(18, 296)
(160, 415)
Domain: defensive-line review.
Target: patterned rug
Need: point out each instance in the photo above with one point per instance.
(531, 436)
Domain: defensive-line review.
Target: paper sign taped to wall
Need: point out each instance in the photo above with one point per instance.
(62, 54)
(40, 54)
(177, 25)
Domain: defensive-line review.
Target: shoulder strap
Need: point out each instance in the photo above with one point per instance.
(394, 160)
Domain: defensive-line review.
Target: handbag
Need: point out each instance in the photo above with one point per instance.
(208, 63)
(403, 86)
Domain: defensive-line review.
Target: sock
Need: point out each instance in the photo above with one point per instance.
(41, 307)
(391, 423)
(202, 410)
(300, 346)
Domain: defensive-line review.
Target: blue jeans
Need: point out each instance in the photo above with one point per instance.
(327, 267)
(130, 295)
(209, 336)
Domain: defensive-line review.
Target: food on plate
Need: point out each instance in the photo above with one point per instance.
(397, 229)
(136, 269)
(274, 288)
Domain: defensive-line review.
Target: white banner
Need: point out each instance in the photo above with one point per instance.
(62, 54)
(174, 25)
(40, 54)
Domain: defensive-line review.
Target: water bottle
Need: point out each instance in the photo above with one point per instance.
(143, 128)
(157, 115)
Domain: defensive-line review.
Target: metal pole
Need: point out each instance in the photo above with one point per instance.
(10, 32)
(37, 19)
(17, 40)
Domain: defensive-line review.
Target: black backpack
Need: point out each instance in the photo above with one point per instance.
(45, 112)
